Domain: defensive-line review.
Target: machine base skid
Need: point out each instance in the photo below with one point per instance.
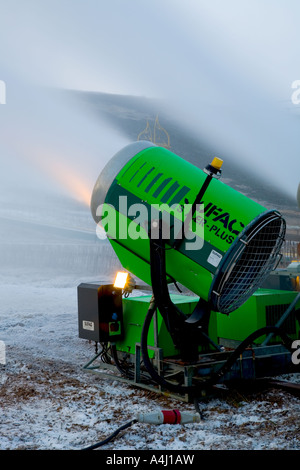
(255, 363)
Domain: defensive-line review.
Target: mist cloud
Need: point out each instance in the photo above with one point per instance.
(223, 69)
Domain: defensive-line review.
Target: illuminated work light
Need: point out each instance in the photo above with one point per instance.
(121, 280)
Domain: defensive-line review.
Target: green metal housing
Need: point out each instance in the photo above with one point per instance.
(264, 308)
(151, 175)
(134, 312)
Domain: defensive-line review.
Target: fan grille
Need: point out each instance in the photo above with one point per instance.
(253, 256)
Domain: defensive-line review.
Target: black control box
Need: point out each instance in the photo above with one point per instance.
(100, 312)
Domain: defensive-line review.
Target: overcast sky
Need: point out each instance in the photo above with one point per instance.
(224, 69)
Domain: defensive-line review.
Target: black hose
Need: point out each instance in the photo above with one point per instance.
(112, 436)
(147, 362)
(123, 371)
(250, 339)
(128, 373)
(216, 377)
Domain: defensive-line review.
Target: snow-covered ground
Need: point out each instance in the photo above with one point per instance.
(48, 401)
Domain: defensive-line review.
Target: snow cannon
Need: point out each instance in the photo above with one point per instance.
(174, 227)
(216, 242)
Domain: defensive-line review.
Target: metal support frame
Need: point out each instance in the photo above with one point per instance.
(137, 361)
(258, 362)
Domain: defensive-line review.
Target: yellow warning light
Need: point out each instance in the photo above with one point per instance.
(217, 163)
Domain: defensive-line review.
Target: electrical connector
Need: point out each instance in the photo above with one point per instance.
(168, 417)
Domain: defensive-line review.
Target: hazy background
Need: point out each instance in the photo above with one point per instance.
(223, 71)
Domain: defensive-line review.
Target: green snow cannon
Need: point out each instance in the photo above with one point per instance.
(218, 243)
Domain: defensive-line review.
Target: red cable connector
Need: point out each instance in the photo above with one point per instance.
(169, 417)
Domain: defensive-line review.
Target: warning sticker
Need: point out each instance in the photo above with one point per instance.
(88, 325)
(214, 258)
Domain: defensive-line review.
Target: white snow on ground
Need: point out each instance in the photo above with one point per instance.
(48, 402)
